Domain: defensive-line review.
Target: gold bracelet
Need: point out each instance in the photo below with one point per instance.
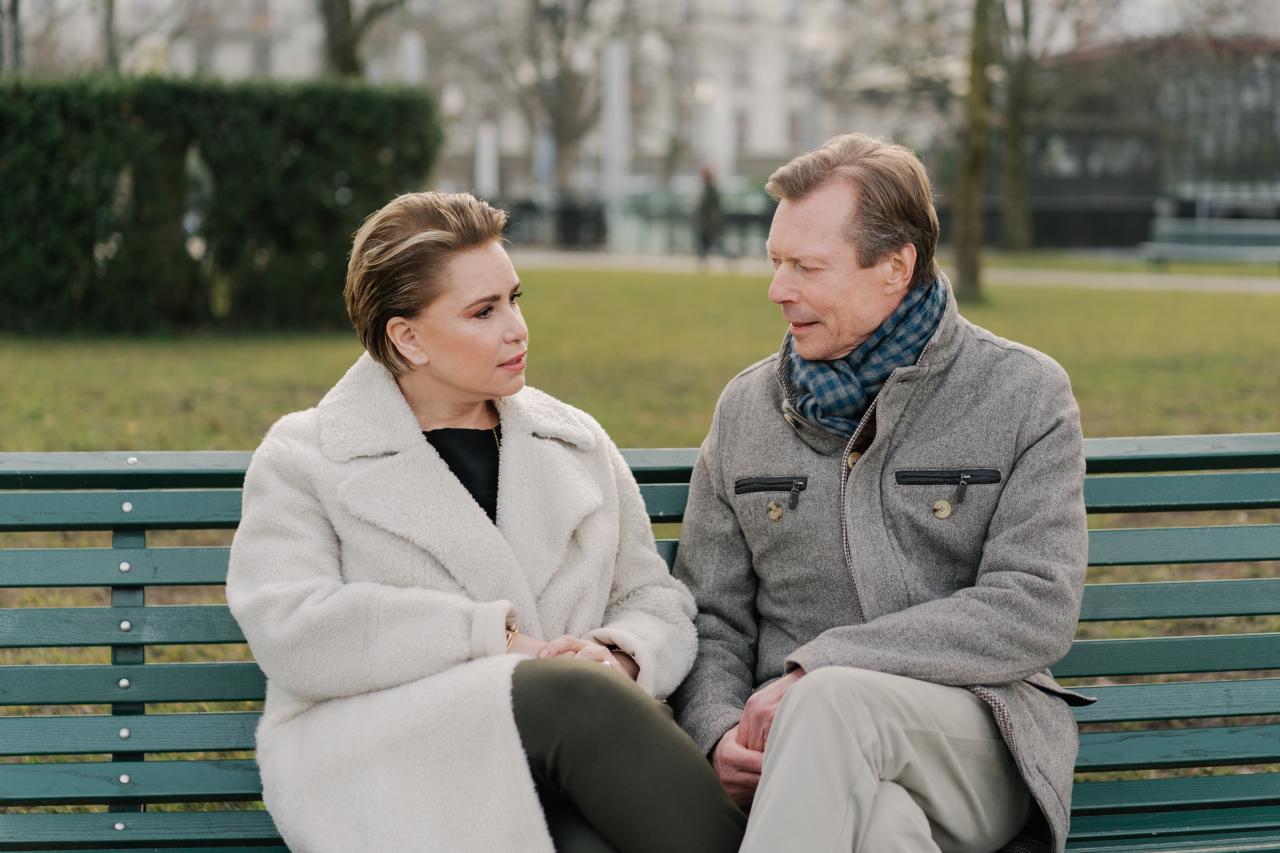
(511, 636)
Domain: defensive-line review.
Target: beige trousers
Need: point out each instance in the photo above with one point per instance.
(863, 761)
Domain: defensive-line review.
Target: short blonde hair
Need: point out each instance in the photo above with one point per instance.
(893, 197)
(399, 257)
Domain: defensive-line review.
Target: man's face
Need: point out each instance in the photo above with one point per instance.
(831, 303)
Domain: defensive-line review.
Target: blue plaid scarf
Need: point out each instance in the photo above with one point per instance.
(835, 394)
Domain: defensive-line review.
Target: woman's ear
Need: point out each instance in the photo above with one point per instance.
(405, 339)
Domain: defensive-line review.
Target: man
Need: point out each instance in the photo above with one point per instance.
(886, 538)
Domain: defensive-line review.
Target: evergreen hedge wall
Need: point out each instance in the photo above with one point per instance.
(150, 204)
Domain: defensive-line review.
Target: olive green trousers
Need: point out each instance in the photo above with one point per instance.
(614, 771)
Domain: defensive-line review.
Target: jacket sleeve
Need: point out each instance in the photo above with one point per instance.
(317, 636)
(1020, 615)
(715, 562)
(650, 613)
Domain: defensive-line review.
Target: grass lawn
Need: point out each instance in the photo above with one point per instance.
(647, 354)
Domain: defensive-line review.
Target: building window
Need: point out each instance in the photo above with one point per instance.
(742, 70)
(741, 130)
(205, 47)
(795, 128)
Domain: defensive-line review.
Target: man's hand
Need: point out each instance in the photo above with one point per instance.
(738, 768)
(757, 716)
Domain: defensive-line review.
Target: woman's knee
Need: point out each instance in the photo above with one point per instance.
(571, 689)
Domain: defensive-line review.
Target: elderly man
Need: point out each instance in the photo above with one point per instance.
(886, 538)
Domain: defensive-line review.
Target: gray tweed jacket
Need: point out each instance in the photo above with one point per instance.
(952, 550)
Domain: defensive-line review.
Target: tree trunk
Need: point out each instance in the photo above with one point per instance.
(966, 208)
(1018, 233)
(340, 53)
(110, 46)
(15, 36)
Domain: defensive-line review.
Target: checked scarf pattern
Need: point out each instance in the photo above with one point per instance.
(835, 394)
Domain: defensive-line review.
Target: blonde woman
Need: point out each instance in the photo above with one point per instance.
(450, 582)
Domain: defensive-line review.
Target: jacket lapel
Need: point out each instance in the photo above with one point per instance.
(544, 490)
(408, 490)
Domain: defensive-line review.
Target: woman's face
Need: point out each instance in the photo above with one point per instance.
(473, 334)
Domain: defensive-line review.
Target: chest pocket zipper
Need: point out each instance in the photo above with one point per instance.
(961, 478)
(794, 485)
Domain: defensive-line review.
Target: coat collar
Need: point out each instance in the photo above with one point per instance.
(366, 415)
(403, 486)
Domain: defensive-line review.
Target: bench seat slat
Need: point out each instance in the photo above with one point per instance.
(179, 509)
(67, 567)
(1178, 545)
(99, 626)
(1180, 699)
(665, 501)
(42, 831)
(167, 682)
(78, 782)
(1182, 492)
(1163, 794)
(1158, 655)
(1180, 599)
(1170, 748)
(98, 733)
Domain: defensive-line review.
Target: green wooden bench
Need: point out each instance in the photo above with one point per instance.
(1232, 240)
(157, 775)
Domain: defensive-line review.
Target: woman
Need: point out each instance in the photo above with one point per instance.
(405, 550)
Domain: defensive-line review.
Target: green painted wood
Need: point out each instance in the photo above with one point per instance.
(1169, 748)
(1264, 841)
(1180, 699)
(97, 733)
(1183, 492)
(1146, 824)
(68, 567)
(1181, 453)
(128, 782)
(1180, 599)
(221, 848)
(1252, 789)
(661, 464)
(123, 510)
(1157, 655)
(167, 682)
(667, 548)
(1161, 545)
(42, 831)
(112, 470)
(101, 626)
(665, 501)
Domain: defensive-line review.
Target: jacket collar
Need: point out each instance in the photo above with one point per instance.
(366, 415)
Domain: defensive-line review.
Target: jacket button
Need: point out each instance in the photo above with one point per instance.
(775, 510)
(942, 509)
(852, 458)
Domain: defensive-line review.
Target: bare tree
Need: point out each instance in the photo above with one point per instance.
(345, 29)
(13, 51)
(967, 206)
(172, 21)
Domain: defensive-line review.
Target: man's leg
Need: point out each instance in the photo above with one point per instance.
(864, 761)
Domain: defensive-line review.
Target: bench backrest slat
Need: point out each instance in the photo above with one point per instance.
(71, 567)
(1248, 697)
(149, 781)
(104, 626)
(98, 733)
(34, 684)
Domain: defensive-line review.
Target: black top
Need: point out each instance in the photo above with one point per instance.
(472, 456)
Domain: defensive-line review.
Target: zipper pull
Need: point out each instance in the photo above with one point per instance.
(795, 492)
(964, 485)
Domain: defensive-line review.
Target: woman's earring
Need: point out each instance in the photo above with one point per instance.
(419, 359)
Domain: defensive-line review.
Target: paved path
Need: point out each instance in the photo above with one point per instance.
(529, 258)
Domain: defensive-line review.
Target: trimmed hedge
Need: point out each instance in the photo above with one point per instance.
(151, 204)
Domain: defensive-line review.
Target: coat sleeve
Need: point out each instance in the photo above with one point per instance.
(317, 636)
(650, 613)
(715, 562)
(1020, 615)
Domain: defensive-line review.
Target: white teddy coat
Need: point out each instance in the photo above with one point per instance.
(375, 593)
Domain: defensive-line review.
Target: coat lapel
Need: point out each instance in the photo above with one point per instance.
(409, 491)
(544, 490)
(404, 487)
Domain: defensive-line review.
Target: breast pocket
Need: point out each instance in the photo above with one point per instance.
(939, 518)
(768, 509)
(950, 485)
